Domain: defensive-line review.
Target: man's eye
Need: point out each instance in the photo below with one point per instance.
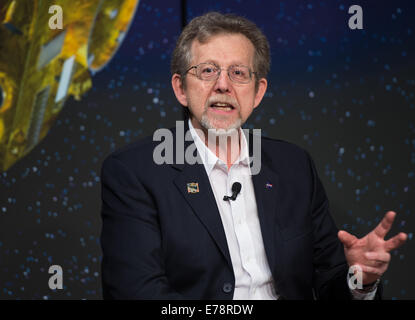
(207, 70)
(239, 73)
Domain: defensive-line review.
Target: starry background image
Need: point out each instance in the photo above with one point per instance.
(346, 96)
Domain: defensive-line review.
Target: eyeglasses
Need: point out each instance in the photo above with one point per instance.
(211, 72)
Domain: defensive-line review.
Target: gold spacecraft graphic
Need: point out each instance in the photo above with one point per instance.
(41, 66)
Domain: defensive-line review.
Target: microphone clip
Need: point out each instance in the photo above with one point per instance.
(236, 188)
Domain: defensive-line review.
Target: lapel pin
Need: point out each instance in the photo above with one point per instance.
(268, 185)
(192, 187)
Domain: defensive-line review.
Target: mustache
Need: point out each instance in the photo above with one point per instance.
(224, 99)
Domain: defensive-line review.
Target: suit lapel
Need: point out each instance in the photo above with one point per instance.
(204, 206)
(203, 202)
(266, 184)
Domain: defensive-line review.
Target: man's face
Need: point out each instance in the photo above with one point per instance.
(221, 103)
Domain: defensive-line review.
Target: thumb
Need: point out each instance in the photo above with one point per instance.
(346, 238)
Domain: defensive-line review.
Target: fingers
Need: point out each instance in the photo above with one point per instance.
(378, 272)
(346, 238)
(385, 225)
(396, 241)
(374, 265)
(377, 259)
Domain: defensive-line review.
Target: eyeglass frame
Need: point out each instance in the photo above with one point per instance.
(220, 70)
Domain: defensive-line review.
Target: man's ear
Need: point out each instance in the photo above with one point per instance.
(262, 88)
(176, 83)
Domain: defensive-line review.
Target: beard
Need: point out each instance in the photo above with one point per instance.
(221, 123)
(215, 124)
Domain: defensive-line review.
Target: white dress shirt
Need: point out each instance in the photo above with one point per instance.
(253, 278)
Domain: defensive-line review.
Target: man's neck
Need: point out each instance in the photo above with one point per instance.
(226, 147)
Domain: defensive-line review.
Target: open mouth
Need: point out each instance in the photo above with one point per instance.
(222, 106)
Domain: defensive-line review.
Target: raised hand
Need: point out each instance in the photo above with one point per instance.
(371, 252)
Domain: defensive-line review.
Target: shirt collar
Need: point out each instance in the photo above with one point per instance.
(210, 160)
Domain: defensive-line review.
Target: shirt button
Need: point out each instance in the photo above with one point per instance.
(227, 287)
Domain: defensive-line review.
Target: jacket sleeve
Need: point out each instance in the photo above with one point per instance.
(132, 264)
(330, 264)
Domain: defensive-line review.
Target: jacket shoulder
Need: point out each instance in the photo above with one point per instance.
(135, 155)
(283, 149)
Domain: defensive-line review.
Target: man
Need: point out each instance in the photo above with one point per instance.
(169, 232)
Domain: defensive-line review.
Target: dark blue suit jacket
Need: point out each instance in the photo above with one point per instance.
(161, 242)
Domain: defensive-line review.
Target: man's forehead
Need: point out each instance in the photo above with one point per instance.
(235, 48)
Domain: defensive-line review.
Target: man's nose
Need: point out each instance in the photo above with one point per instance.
(223, 83)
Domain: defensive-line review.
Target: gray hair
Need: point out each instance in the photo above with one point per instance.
(203, 27)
